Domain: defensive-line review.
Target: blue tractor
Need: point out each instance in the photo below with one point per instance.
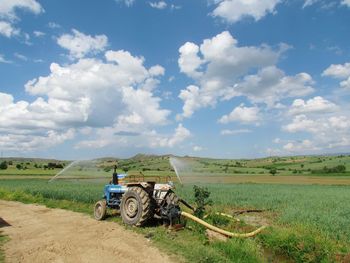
(139, 201)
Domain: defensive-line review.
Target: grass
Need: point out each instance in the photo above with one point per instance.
(3, 240)
(308, 223)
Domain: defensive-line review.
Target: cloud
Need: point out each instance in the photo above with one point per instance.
(158, 5)
(180, 134)
(309, 3)
(142, 138)
(128, 3)
(346, 2)
(341, 72)
(107, 96)
(8, 15)
(38, 33)
(8, 8)
(53, 25)
(314, 105)
(31, 142)
(233, 11)
(79, 45)
(330, 133)
(305, 145)
(4, 60)
(218, 65)
(197, 148)
(7, 29)
(242, 114)
(234, 132)
(20, 56)
(271, 84)
(337, 71)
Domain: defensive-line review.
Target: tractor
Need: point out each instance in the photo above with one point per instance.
(139, 201)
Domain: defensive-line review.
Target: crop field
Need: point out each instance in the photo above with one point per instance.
(305, 202)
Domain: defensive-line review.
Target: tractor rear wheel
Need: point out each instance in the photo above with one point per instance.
(100, 210)
(136, 206)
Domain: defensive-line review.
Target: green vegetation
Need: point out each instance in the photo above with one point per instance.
(309, 217)
(3, 240)
(307, 223)
(3, 165)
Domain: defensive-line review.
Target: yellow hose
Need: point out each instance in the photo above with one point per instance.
(219, 230)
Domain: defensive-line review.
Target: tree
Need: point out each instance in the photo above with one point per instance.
(19, 166)
(273, 171)
(3, 165)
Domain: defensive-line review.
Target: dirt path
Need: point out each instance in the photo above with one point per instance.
(40, 234)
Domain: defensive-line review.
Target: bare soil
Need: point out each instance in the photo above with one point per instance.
(40, 234)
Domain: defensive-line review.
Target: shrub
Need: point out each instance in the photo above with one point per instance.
(201, 197)
(3, 165)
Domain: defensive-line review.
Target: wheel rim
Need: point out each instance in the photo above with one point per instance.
(98, 211)
(131, 207)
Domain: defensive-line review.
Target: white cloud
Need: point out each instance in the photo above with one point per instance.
(242, 114)
(277, 140)
(158, 5)
(309, 3)
(271, 84)
(338, 71)
(189, 61)
(38, 33)
(53, 25)
(8, 14)
(4, 60)
(327, 133)
(341, 72)
(20, 56)
(32, 142)
(217, 65)
(140, 138)
(128, 3)
(7, 29)
(314, 105)
(79, 45)
(197, 148)
(107, 96)
(295, 147)
(8, 8)
(346, 2)
(301, 124)
(181, 134)
(234, 132)
(235, 10)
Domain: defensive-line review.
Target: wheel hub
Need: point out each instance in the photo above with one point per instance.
(131, 207)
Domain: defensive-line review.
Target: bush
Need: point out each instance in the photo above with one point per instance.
(3, 165)
(201, 197)
(328, 170)
(19, 166)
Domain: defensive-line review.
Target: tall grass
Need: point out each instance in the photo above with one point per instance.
(309, 223)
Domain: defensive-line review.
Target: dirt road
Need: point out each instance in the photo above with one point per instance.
(40, 234)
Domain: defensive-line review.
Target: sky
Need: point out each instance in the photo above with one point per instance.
(212, 78)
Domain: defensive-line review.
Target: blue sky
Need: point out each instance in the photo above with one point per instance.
(217, 78)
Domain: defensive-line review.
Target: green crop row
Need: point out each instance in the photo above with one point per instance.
(308, 223)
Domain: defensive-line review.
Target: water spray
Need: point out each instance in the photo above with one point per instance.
(63, 170)
(173, 162)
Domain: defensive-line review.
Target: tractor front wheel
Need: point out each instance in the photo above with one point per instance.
(100, 210)
(135, 207)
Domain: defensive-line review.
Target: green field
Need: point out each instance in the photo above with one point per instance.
(308, 211)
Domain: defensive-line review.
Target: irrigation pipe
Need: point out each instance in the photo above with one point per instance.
(221, 231)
